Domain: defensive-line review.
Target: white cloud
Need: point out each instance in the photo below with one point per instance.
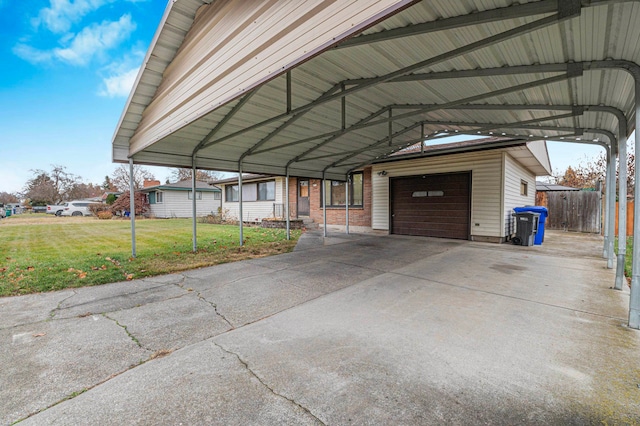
(94, 40)
(32, 54)
(120, 84)
(118, 77)
(61, 14)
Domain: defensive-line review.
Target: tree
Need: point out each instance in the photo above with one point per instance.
(123, 203)
(586, 174)
(181, 173)
(111, 198)
(107, 185)
(82, 190)
(120, 178)
(7, 197)
(49, 187)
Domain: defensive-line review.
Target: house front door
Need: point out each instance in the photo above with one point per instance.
(303, 197)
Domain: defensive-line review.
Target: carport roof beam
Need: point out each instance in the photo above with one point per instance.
(483, 17)
(491, 126)
(368, 123)
(486, 42)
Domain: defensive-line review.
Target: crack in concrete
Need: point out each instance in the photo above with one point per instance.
(124, 327)
(204, 299)
(53, 312)
(116, 297)
(264, 383)
(215, 308)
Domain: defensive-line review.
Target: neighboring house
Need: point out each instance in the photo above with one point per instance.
(174, 200)
(463, 190)
(262, 197)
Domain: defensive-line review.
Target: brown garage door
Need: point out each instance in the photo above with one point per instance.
(431, 205)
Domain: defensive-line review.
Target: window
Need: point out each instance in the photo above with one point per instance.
(261, 191)
(198, 195)
(524, 187)
(217, 195)
(304, 188)
(336, 192)
(267, 190)
(231, 193)
(159, 197)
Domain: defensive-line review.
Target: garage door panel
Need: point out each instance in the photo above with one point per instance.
(432, 205)
(432, 214)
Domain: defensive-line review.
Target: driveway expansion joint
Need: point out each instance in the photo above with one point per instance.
(262, 381)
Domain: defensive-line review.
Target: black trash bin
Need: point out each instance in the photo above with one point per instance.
(526, 228)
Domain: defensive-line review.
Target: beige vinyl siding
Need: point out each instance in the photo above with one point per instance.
(177, 204)
(254, 211)
(234, 46)
(486, 185)
(514, 173)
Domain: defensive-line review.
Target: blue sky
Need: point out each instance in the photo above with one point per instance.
(67, 69)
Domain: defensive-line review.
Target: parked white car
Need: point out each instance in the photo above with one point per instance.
(55, 209)
(76, 208)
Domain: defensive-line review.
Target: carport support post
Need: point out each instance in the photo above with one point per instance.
(240, 201)
(286, 203)
(634, 299)
(622, 204)
(193, 202)
(132, 208)
(611, 211)
(607, 186)
(324, 204)
(346, 202)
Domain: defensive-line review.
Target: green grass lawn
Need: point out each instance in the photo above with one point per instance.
(628, 259)
(44, 253)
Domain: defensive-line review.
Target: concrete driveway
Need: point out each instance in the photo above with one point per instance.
(361, 329)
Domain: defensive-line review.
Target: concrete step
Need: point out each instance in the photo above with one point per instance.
(308, 222)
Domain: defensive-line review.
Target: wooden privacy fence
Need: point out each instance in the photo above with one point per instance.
(630, 205)
(577, 211)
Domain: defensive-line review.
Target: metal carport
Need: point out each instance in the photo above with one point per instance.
(322, 88)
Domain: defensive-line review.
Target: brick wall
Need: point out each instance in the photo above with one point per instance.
(358, 216)
(293, 198)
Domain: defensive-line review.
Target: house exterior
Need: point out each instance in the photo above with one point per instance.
(174, 200)
(461, 190)
(262, 197)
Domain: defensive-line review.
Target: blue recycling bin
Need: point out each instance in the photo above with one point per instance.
(539, 238)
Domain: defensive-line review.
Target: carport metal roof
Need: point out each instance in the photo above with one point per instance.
(321, 88)
(330, 86)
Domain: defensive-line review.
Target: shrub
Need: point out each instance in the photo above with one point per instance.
(122, 203)
(111, 198)
(96, 208)
(105, 215)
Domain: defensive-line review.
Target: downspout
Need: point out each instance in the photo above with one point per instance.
(193, 202)
(132, 208)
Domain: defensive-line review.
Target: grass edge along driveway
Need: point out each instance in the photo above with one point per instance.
(53, 253)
